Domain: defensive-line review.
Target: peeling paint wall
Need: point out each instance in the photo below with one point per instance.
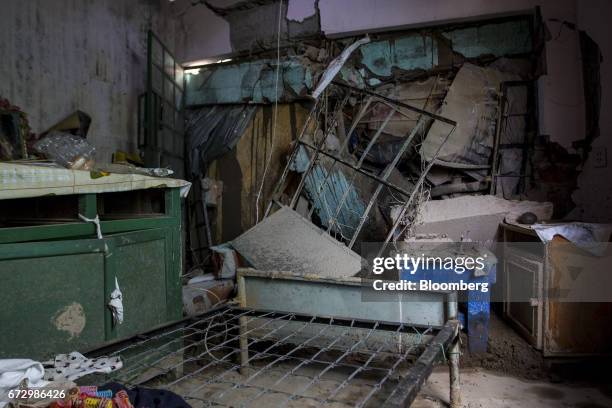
(58, 56)
(382, 60)
(407, 53)
(561, 106)
(561, 111)
(248, 82)
(561, 98)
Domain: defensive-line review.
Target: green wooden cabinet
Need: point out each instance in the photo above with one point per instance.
(56, 280)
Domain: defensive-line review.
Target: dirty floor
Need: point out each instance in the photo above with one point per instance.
(485, 389)
(507, 353)
(513, 374)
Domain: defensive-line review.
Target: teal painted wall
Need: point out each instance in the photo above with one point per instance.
(248, 82)
(253, 82)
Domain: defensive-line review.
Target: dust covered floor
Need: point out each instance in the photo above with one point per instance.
(514, 374)
(485, 389)
(507, 353)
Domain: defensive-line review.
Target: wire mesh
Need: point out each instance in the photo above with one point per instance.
(292, 360)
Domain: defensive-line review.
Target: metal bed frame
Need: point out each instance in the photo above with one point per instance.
(306, 340)
(325, 117)
(280, 351)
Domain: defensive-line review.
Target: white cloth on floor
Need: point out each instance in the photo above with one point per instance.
(14, 371)
(75, 365)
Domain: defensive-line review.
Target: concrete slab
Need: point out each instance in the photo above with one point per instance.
(474, 217)
(285, 241)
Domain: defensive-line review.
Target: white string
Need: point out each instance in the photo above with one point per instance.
(95, 221)
(275, 114)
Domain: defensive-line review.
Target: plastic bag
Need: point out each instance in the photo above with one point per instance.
(70, 151)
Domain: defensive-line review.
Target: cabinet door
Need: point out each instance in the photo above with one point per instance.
(141, 262)
(52, 297)
(55, 294)
(524, 294)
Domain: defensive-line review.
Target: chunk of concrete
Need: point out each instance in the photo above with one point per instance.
(474, 217)
(286, 241)
(472, 102)
(473, 206)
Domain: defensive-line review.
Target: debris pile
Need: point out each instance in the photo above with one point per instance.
(397, 122)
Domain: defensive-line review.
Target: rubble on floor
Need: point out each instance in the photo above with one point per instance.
(514, 374)
(507, 353)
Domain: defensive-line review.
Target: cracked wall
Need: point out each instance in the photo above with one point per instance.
(561, 108)
(561, 101)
